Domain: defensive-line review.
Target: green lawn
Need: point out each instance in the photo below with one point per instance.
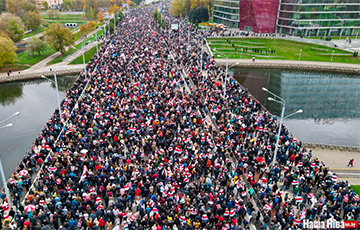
(61, 57)
(284, 50)
(32, 33)
(356, 188)
(88, 55)
(76, 17)
(24, 59)
(78, 46)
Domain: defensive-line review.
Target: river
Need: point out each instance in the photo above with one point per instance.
(36, 101)
(330, 102)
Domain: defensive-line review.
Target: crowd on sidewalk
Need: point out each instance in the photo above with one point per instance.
(156, 143)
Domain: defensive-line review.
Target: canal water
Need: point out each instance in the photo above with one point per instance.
(330, 102)
(36, 101)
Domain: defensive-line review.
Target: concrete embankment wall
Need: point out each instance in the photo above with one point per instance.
(15, 76)
(333, 147)
(291, 66)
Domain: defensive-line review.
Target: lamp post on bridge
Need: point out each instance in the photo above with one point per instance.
(282, 102)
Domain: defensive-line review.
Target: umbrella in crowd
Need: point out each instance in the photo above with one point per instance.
(23, 173)
(29, 208)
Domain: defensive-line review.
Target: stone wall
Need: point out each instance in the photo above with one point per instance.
(288, 66)
(15, 76)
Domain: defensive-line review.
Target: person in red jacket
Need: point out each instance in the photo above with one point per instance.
(102, 223)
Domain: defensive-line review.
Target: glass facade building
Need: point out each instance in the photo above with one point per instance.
(258, 15)
(227, 12)
(319, 17)
(252, 15)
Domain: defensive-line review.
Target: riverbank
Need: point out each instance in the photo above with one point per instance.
(36, 74)
(291, 65)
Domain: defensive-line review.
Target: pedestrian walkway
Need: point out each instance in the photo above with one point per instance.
(337, 161)
(42, 65)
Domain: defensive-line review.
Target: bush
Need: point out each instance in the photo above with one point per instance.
(198, 15)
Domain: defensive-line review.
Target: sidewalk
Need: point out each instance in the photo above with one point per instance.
(337, 161)
(293, 65)
(42, 65)
(232, 61)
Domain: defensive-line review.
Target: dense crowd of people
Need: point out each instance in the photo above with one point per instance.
(153, 140)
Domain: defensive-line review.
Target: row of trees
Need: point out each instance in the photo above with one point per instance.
(198, 15)
(53, 13)
(56, 35)
(22, 15)
(181, 8)
(158, 19)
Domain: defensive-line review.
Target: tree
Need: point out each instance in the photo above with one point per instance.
(130, 3)
(12, 26)
(45, 5)
(177, 8)
(68, 4)
(50, 13)
(21, 8)
(34, 20)
(90, 13)
(180, 8)
(2, 6)
(197, 15)
(88, 27)
(137, 2)
(100, 16)
(113, 9)
(7, 51)
(36, 45)
(59, 37)
(91, 8)
(78, 4)
(57, 14)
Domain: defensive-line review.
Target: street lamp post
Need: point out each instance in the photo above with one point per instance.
(300, 54)
(57, 91)
(189, 41)
(282, 102)
(13, 115)
(227, 69)
(269, 53)
(82, 50)
(179, 33)
(332, 55)
(202, 51)
(97, 42)
(109, 28)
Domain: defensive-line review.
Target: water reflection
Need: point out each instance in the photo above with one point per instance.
(36, 100)
(330, 102)
(10, 93)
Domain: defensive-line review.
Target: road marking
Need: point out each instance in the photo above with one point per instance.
(356, 174)
(350, 169)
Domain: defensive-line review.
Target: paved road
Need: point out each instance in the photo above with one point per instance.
(42, 65)
(337, 161)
